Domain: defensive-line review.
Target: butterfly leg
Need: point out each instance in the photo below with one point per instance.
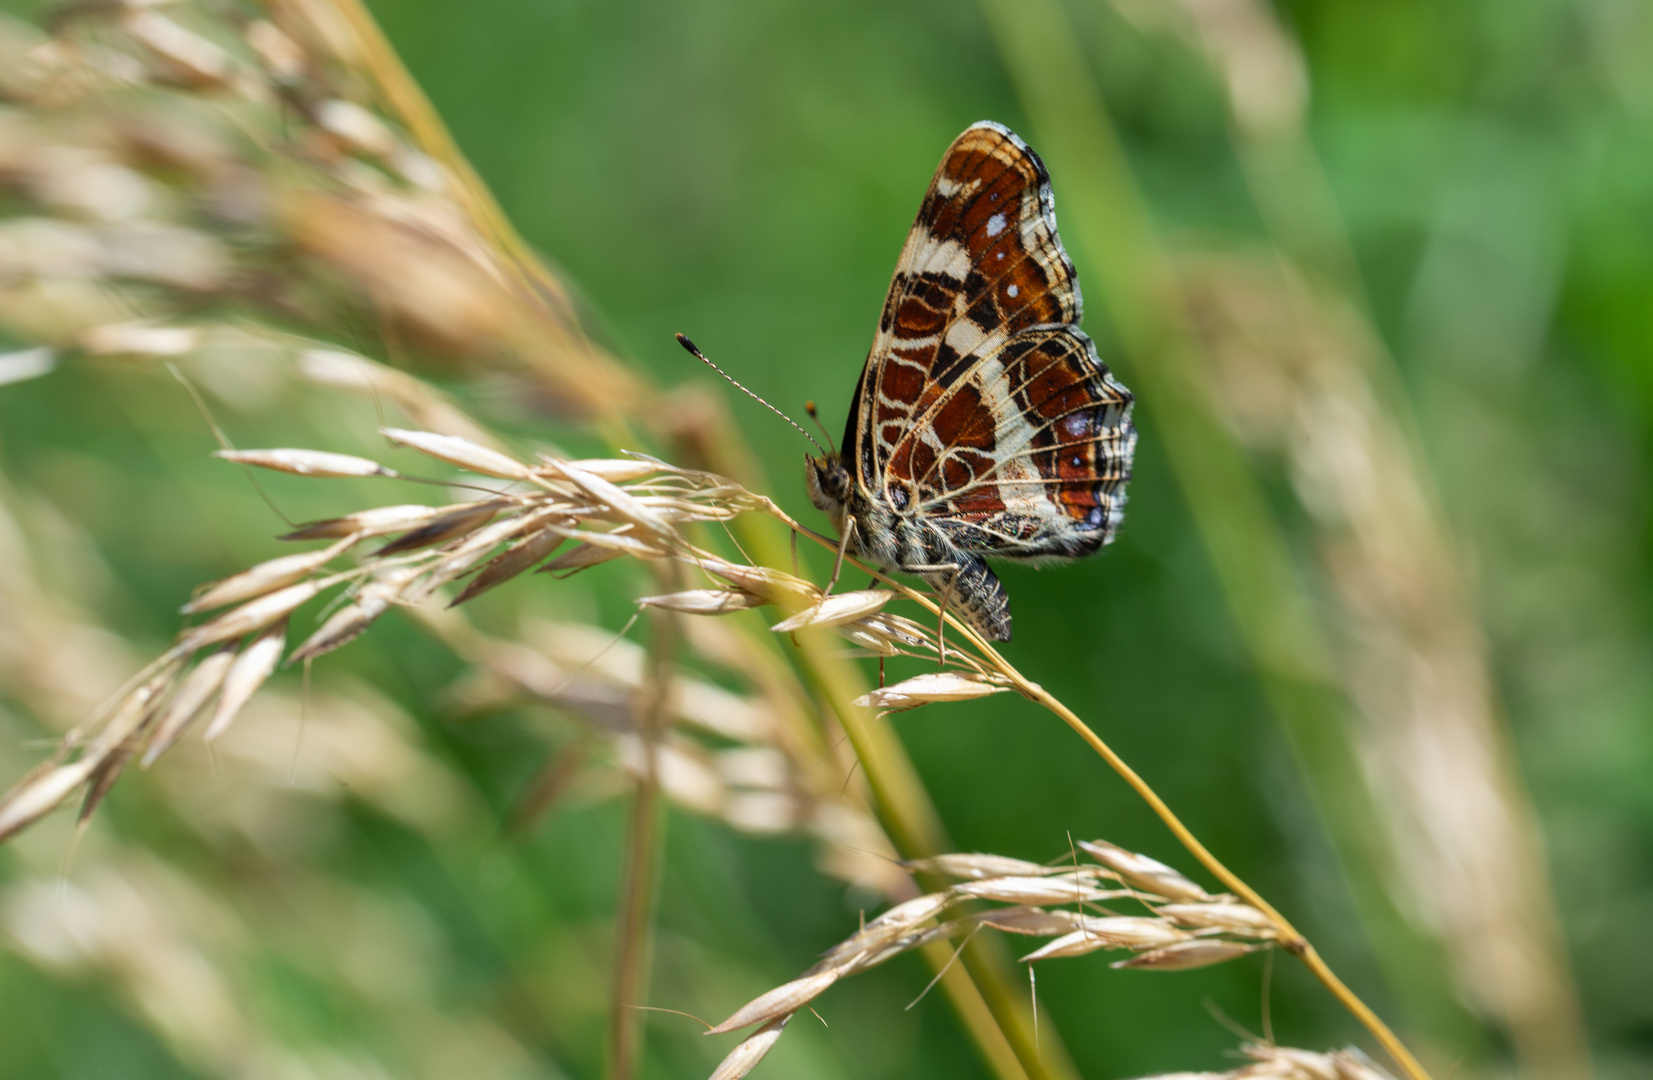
(843, 547)
(951, 570)
(941, 618)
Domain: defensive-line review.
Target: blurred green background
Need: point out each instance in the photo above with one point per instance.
(745, 172)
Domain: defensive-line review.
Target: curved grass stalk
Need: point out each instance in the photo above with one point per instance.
(1291, 939)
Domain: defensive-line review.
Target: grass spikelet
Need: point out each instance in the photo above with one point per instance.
(704, 601)
(1123, 932)
(632, 510)
(836, 610)
(621, 541)
(246, 674)
(462, 452)
(191, 696)
(745, 1057)
(613, 470)
(1186, 956)
(932, 686)
(1234, 918)
(1031, 921)
(781, 1001)
(319, 463)
(264, 578)
(251, 617)
(1044, 902)
(585, 555)
(976, 865)
(376, 522)
(1030, 890)
(1143, 872)
(41, 792)
(50, 784)
(456, 523)
(516, 559)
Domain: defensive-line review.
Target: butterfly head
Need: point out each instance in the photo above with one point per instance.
(829, 484)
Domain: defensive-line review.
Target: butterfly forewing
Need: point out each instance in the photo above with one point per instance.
(981, 262)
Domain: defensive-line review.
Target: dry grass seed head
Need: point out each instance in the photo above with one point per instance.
(781, 1001)
(1146, 873)
(837, 609)
(264, 578)
(932, 686)
(1031, 890)
(745, 1057)
(192, 694)
(1233, 918)
(1030, 921)
(1115, 932)
(462, 452)
(378, 521)
(976, 865)
(250, 617)
(1187, 955)
(704, 601)
(246, 674)
(318, 463)
(517, 559)
(1040, 895)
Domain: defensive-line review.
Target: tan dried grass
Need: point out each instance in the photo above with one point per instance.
(653, 509)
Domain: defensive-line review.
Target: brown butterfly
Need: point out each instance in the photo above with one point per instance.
(984, 424)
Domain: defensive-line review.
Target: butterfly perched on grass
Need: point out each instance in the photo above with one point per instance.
(984, 424)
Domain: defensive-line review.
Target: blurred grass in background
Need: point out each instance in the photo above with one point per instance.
(1390, 329)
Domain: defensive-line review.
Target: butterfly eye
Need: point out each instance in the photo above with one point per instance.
(835, 481)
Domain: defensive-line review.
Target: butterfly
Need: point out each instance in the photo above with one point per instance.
(984, 424)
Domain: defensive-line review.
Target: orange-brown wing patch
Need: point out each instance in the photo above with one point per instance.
(982, 262)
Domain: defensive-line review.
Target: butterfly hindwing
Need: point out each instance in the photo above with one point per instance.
(1027, 453)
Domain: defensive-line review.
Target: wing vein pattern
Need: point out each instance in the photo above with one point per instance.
(984, 424)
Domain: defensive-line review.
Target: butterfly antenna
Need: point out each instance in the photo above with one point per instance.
(690, 346)
(809, 407)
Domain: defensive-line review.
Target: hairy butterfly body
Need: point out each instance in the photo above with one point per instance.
(984, 424)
